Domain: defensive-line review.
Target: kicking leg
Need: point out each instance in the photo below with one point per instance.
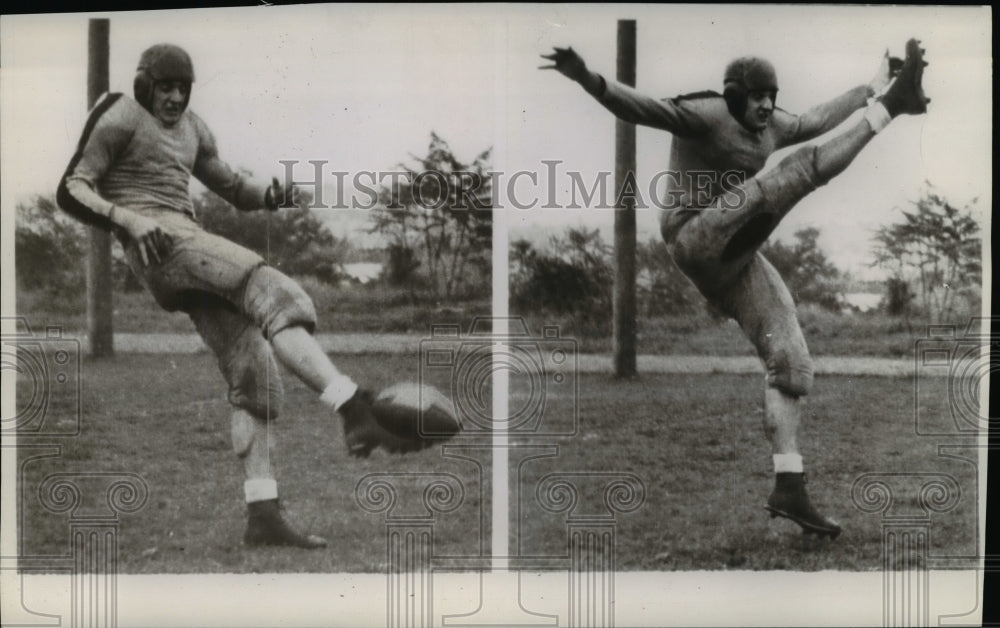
(904, 96)
(255, 392)
(286, 314)
(713, 246)
(761, 303)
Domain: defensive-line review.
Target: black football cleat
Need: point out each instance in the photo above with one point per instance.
(363, 433)
(791, 501)
(906, 94)
(267, 526)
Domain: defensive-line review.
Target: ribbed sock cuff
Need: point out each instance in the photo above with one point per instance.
(260, 489)
(878, 117)
(339, 391)
(787, 463)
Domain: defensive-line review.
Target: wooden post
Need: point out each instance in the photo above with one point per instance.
(99, 323)
(624, 291)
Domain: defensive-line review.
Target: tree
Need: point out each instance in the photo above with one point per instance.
(401, 267)
(50, 249)
(937, 247)
(293, 240)
(441, 209)
(898, 297)
(573, 275)
(810, 276)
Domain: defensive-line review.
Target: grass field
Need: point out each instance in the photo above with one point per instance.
(695, 442)
(165, 418)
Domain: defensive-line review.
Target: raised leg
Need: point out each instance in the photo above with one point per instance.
(715, 245)
(286, 314)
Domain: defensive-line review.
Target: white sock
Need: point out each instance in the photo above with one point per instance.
(260, 489)
(339, 391)
(878, 117)
(787, 463)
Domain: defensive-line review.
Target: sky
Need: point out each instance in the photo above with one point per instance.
(362, 87)
(818, 53)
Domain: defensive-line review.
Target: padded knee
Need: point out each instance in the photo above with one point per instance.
(253, 376)
(790, 372)
(275, 302)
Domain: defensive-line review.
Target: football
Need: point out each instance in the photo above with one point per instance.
(416, 411)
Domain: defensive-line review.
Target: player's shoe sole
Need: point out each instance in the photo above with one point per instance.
(906, 94)
(809, 526)
(267, 526)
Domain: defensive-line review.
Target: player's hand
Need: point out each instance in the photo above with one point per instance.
(279, 195)
(566, 62)
(888, 69)
(150, 239)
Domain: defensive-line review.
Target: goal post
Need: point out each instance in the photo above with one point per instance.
(99, 306)
(624, 311)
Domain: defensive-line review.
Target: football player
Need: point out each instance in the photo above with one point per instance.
(717, 221)
(130, 175)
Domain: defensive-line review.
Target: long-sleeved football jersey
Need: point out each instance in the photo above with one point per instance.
(127, 157)
(711, 150)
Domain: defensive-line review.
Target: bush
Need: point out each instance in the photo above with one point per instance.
(573, 277)
(809, 274)
(293, 240)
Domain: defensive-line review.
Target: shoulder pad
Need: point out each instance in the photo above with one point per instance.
(109, 109)
(107, 99)
(206, 139)
(120, 109)
(200, 126)
(198, 123)
(696, 95)
(126, 103)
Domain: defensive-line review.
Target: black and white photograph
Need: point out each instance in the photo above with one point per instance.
(466, 315)
(764, 229)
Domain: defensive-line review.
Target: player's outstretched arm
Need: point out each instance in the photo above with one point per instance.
(571, 65)
(824, 117)
(241, 191)
(625, 102)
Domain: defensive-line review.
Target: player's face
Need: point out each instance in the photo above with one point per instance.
(760, 106)
(169, 98)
